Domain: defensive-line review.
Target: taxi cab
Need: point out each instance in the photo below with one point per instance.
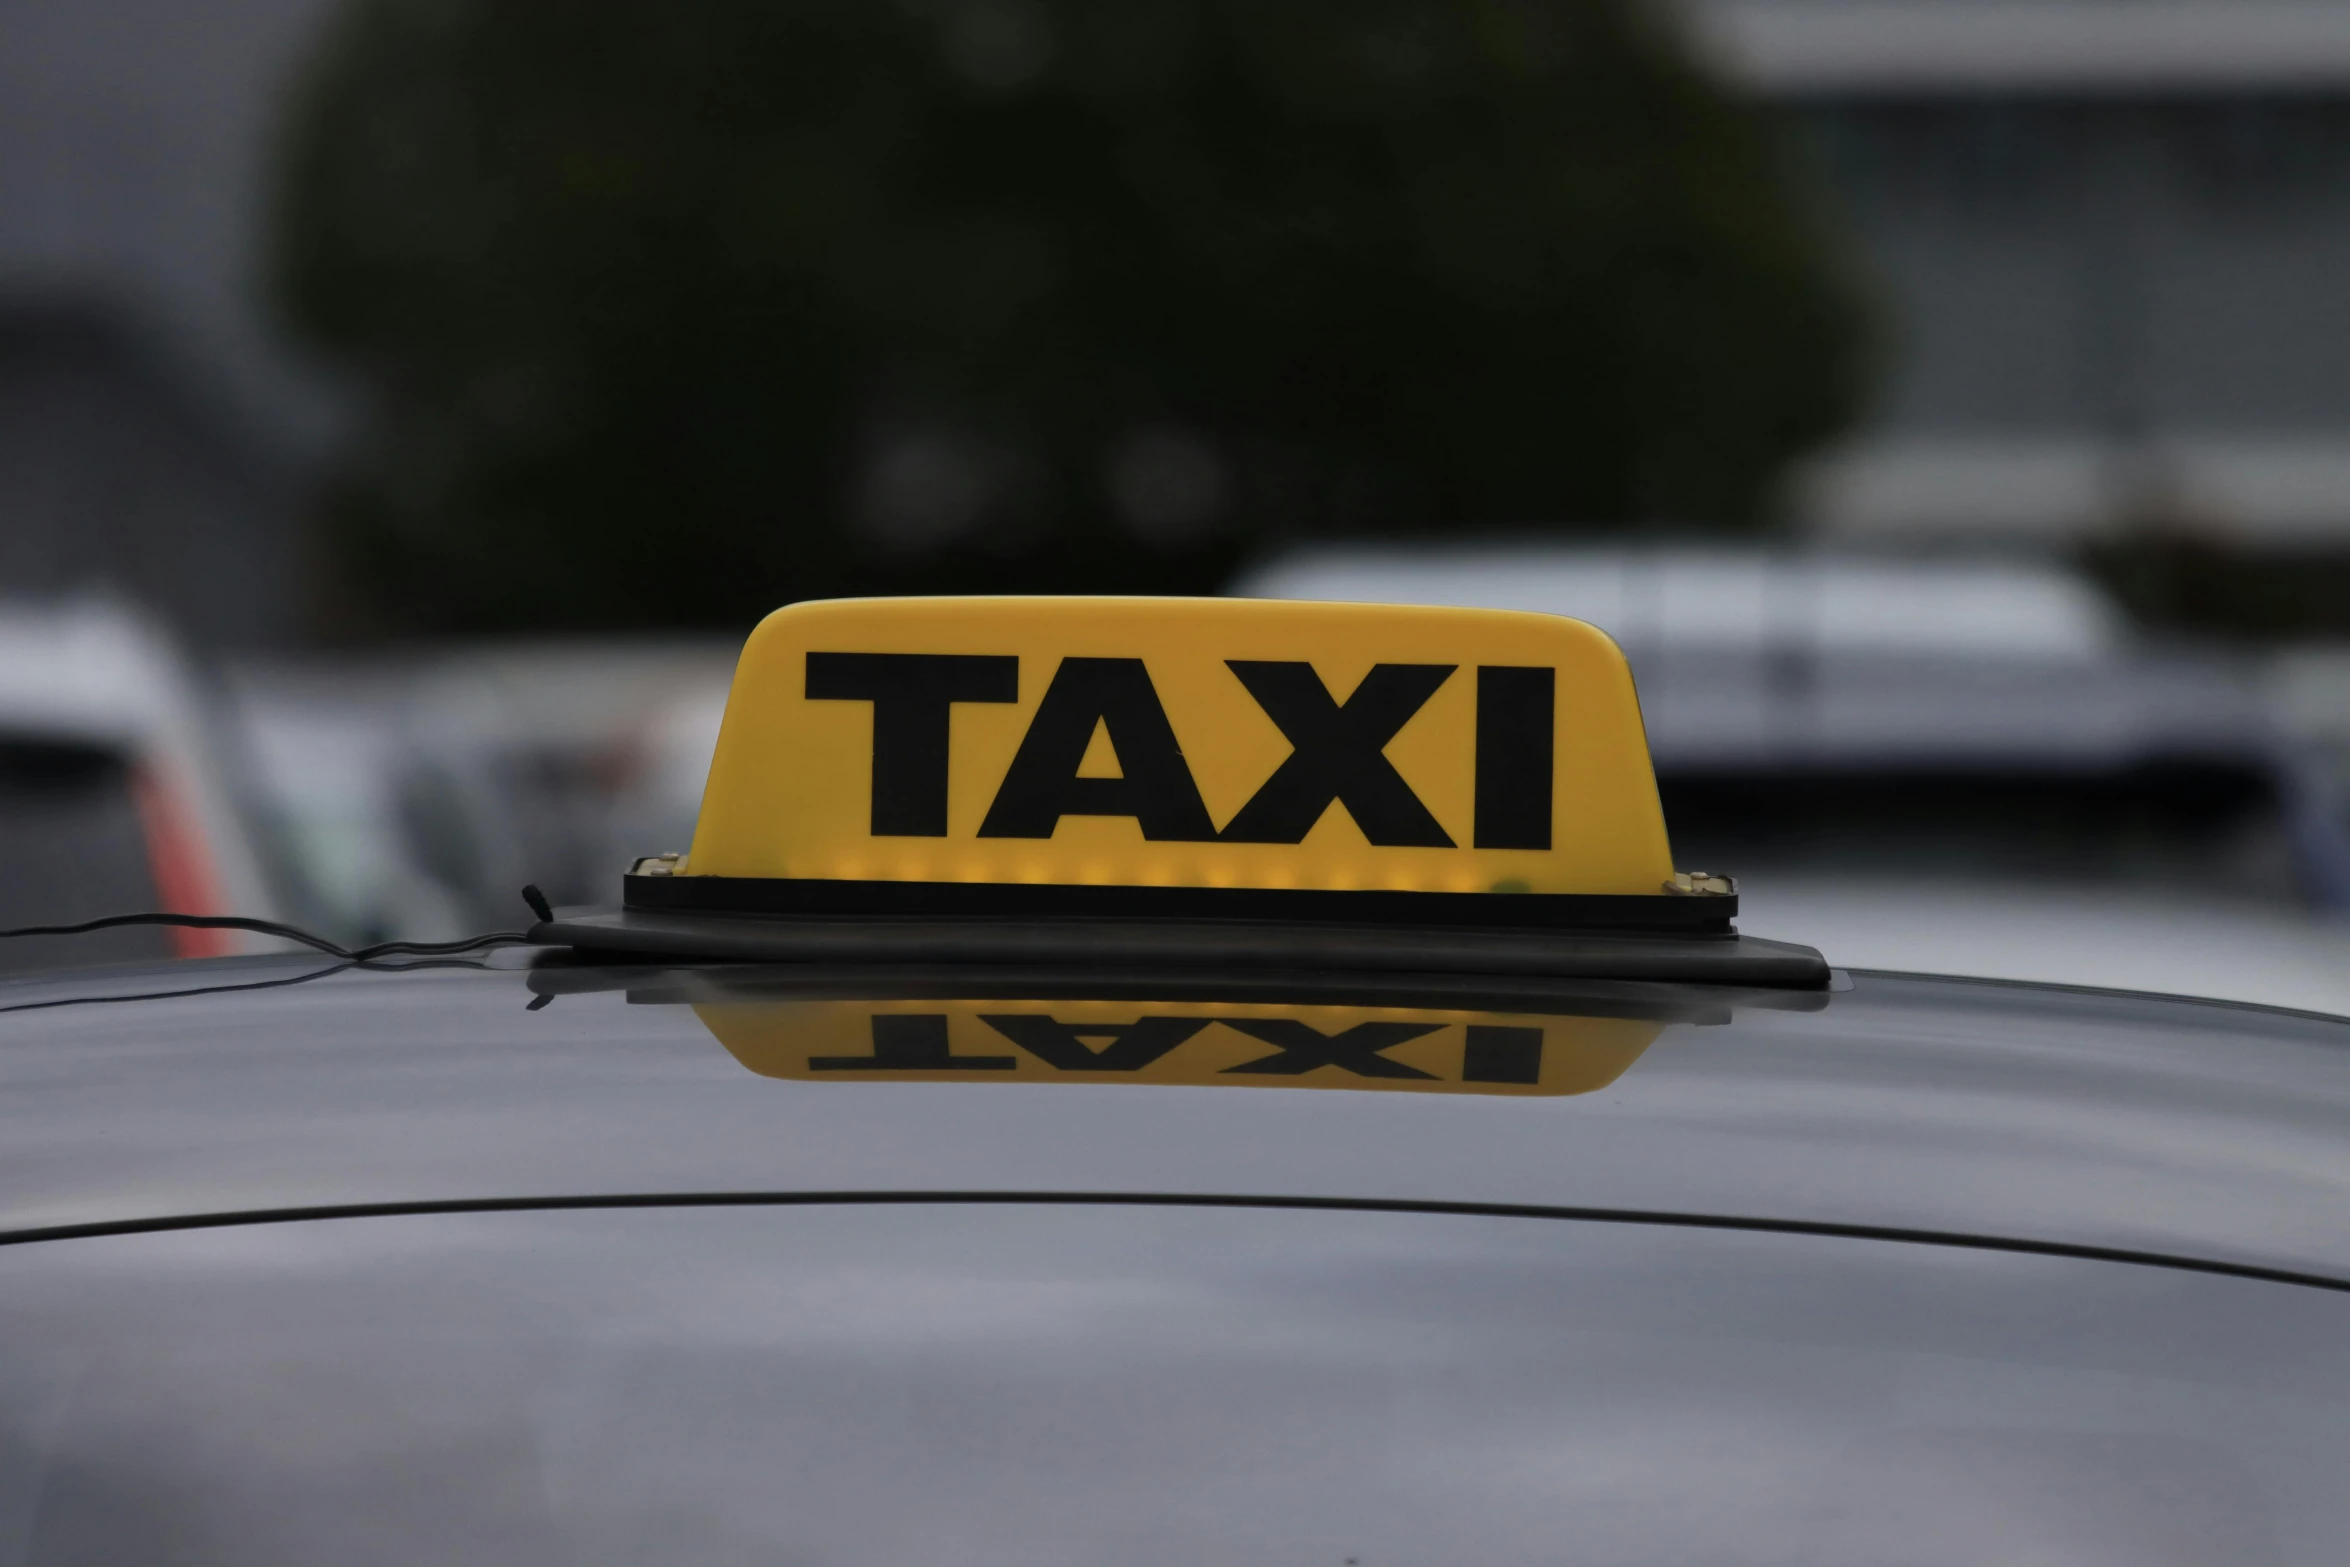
(1153, 1081)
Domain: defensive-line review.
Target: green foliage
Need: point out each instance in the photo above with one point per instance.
(671, 312)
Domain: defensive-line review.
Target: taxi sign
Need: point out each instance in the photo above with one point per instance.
(1193, 784)
(1196, 1044)
(1182, 743)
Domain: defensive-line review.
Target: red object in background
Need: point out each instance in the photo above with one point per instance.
(185, 880)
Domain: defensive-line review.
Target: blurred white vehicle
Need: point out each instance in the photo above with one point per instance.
(115, 796)
(2308, 691)
(1950, 767)
(555, 763)
(419, 793)
(328, 754)
(1665, 601)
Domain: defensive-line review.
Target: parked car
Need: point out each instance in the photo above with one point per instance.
(118, 792)
(552, 762)
(1954, 767)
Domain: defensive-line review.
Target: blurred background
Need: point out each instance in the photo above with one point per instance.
(406, 405)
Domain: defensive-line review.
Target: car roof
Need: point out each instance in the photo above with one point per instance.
(2064, 1118)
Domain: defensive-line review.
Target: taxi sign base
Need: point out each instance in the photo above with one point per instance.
(1622, 913)
(654, 981)
(1723, 958)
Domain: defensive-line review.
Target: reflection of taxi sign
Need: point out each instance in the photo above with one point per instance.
(1200, 782)
(1171, 742)
(1191, 1043)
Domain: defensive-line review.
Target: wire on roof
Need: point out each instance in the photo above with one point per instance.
(294, 933)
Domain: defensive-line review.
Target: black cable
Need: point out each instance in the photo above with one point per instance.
(174, 995)
(371, 966)
(381, 949)
(426, 949)
(435, 954)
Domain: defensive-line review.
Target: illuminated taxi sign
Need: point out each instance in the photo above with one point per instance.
(1204, 743)
(1191, 1043)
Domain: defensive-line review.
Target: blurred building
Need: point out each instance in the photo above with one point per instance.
(2109, 235)
(152, 438)
(123, 465)
(2112, 235)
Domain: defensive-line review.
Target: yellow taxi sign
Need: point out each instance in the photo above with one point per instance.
(1185, 1043)
(1182, 743)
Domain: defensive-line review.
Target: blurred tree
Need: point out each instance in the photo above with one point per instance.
(668, 313)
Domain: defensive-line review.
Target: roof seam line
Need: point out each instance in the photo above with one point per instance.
(1962, 1240)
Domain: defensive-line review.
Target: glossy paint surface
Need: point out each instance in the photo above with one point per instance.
(1055, 1386)
(2195, 1129)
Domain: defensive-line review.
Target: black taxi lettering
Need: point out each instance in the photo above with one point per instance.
(919, 1042)
(912, 1042)
(1300, 1047)
(1493, 1054)
(1515, 719)
(1126, 1047)
(1338, 754)
(913, 697)
(1337, 749)
(1155, 785)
